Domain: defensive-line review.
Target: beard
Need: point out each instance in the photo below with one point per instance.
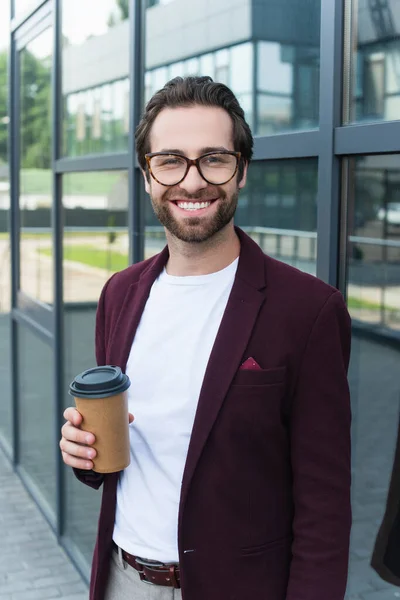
(196, 229)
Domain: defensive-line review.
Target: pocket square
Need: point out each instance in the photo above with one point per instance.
(250, 365)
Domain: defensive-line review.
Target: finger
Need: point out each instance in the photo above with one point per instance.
(77, 463)
(73, 434)
(131, 418)
(72, 415)
(77, 450)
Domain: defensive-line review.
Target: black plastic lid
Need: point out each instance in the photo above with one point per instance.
(99, 382)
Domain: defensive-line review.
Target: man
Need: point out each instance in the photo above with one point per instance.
(238, 488)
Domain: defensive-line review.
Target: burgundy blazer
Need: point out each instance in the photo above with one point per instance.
(265, 500)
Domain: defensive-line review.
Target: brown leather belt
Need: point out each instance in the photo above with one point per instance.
(153, 572)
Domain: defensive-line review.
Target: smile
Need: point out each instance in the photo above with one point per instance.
(193, 205)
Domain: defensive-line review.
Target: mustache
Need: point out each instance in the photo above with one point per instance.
(210, 193)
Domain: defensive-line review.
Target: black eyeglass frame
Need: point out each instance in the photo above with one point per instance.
(192, 162)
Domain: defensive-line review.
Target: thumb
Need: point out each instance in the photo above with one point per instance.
(131, 418)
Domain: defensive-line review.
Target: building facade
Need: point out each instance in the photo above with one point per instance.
(320, 84)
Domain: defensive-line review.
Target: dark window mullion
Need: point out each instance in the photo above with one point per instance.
(330, 113)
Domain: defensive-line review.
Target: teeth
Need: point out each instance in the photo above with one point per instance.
(193, 205)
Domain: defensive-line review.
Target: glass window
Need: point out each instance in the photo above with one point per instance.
(373, 296)
(21, 7)
(273, 59)
(207, 65)
(374, 243)
(375, 68)
(95, 62)
(177, 70)
(222, 59)
(192, 66)
(95, 245)
(154, 236)
(96, 242)
(288, 90)
(278, 208)
(35, 201)
(5, 247)
(37, 442)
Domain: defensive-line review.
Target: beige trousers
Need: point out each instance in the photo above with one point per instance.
(124, 584)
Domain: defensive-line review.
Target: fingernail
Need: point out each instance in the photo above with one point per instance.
(90, 453)
(89, 439)
(89, 465)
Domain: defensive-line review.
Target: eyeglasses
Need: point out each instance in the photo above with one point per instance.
(216, 168)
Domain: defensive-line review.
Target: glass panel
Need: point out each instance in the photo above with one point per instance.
(95, 246)
(5, 248)
(96, 242)
(373, 293)
(374, 243)
(375, 69)
(279, 74)
(277, 208)
(95, 62)
(21, 7)
(36, 265)
(154, 236)
(37, 443)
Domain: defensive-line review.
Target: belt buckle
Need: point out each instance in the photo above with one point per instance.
(142, 563)
(168, 569)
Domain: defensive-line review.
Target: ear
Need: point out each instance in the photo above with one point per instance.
(146, 178)
(243, 180)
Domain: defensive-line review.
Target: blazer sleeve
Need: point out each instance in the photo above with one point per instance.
(321, 459)
(91, 478)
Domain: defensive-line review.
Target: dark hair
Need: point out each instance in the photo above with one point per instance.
(187, 91)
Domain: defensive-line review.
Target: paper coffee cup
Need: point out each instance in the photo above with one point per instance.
(101, 398)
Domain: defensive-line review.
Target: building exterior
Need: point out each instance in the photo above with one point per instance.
(320, 84)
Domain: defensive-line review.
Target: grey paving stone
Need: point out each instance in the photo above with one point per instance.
(33, 566)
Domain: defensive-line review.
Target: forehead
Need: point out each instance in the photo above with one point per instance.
(191, 128)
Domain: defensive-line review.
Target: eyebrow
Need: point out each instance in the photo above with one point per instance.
(202, 150)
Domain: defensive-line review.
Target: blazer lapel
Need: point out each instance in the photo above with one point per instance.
(233, 335)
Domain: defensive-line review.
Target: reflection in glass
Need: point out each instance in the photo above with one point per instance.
(373, 295)
(95, 245)
(36, 265)
(36, 434)
(374, 242)
(23, 6)
(81, 502)
(288, 90)
(95, 80)
(96, 242)
(274, 69)
(375, 71)
(277, 208)
(5, 247)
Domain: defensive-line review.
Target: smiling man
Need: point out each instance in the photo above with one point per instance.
(239, 482)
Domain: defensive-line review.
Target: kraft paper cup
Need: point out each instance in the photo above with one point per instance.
(101, 398)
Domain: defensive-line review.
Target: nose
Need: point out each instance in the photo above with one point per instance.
(193, 181)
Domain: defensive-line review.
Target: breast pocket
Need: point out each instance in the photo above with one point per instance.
(254, 401)
(260, 377)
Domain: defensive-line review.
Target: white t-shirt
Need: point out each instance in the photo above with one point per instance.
(166, 366)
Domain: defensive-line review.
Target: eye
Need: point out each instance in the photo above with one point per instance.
(167, 162)
(170, 161)
(214, 160)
